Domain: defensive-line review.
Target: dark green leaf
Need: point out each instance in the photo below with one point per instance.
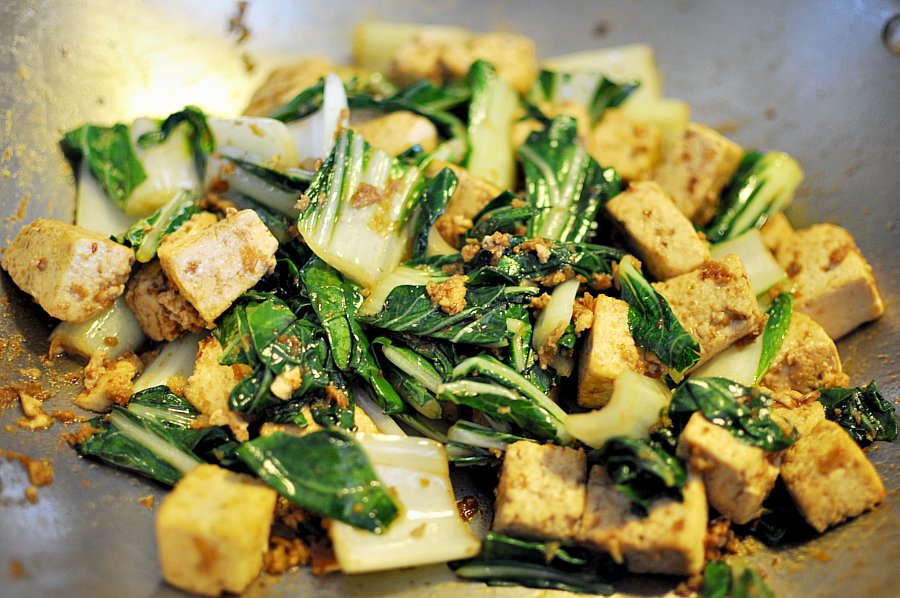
(720, 580)
(201, 138)
(434, 200)
(110, 157)
(863, 412)
(421, 98)
(301, 105)
(777, 324)
(745, 412)
(326, 472)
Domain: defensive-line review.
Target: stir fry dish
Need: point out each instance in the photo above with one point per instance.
(451, 256)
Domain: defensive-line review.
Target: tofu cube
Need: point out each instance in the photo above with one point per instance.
(73, 273)
(803, 417)
(669, 540)
(213, 529)
(472, 194)
(832, 281)
(662, 236)
(398, 131)
(212, 267)
(608, 350)
(808, 359)
(210, 385)
(829, 476)
(541, 491)
(631, 147)
(776, 231)
(714, 303)
(162, 312)
(696, 169)
(738, 477)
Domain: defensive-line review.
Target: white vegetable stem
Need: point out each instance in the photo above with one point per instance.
(94, 210)
(555, 317)
(762, 269)
(175, 359)
(737, 362)
(116, 331)
(314, 135)
(169, 166)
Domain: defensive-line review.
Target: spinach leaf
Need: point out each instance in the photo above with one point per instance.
(506, 213)
(110, 157)
(642, 471)
(563, 183)
(862, 411)
(651, 321)
(434, 200)
(200, 135)
(745, 412)
(326, 472)
(145, 235)
(777, 324)
(721, 580)
(508, 561)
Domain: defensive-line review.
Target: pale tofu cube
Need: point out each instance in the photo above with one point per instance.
(829, 476)
(210, 385)
(803, 417)
(738, 477)
(213, 267)
(832, 281)
(696, 169)
(776, 231)
(714, 303)
(808, 359)
(541, 491)
(73, 273)
(608, 351)
(668, 540)
(213, 529)
(286, 82)
(398, 131)
(662, 236)
(472, 194)
(629, 146)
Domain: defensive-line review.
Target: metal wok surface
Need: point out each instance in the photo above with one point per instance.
(810, 78)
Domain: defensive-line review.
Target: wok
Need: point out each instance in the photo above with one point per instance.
(813, 79)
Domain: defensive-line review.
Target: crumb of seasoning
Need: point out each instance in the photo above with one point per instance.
(31, 494)
(17, 569)
(147, 501)
(449, 295)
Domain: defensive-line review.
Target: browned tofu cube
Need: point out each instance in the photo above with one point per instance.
(73, 273)
(832, 281)
(738, 477)
(541, 491)
(776, 231)
(669, 540)
(714, 303)
(829, 476)
(163, 313)
(803, 417)
(210, 385)
(472, 194)
(808, 359)
(662, 236)
(398, 131)
(696, 169)
(212, 267)
(608, 350)
(631, 147)
(213, 529)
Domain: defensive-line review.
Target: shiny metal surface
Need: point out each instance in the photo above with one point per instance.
(814, 79)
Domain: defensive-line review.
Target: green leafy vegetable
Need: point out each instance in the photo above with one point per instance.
(301, 105)
(432, 204)
(508, 561)
(651, 321)
(720, 580)
(642, 471)
(777, 324)
(146, 234)
(592, 90)
(201, 138)
(745, 412)
(110, 157)
(862, 411)
(326, 472)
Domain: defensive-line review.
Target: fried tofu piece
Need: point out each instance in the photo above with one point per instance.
(398, 131)
(832, 281)
(287, 81)
(472, 194)
(669, 540)
(738, 477)
(608, 350)
(803, 417)
(163, 313)
(440, 60)
(213, 267)
(108, 381)
(714, 303)
(541, 491)
(210, 385)
(808, 359)
(696, 169)
(776, 231)
(662, 236)
(631, 147)
(73, 273)
(213, 529)
(829, 477)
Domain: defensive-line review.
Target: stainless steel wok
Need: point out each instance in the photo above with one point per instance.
(811, 78)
